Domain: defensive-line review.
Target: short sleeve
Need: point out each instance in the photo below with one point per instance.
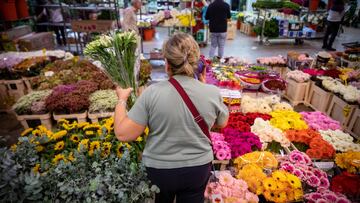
(139, 112)
(222, 112)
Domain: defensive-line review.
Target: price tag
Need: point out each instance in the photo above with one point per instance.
(235, 94)
(346, 110)
(216, 198)
(44, 52)
(324, 165)
(225, 93)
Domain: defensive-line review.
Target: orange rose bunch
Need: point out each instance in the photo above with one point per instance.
(318, 147)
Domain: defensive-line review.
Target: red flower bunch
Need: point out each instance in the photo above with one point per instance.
(334, 73)
(241, 142)
(314, 72)
(243, 122)
(319, 148)
(346, 183)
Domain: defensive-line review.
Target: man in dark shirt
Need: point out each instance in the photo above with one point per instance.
(218, 13)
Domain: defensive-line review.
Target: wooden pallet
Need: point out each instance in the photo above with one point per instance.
(45, 120)
(94, 117)
(354, 124)
(296, 92)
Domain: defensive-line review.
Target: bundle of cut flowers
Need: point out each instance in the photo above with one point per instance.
(349, 161)
(300, 165)
(347, 184)
(272, 61)
(348, 92)
(267, 133)
(285, 120)
(68, 99)
(220, 147)
(103, 101)
(314, 72)
(230, 189)
(319, 121)
(248, 118)
(334, 73)
(31, 66)
(298, 76)
(32, 103)
(341, 141)
(280, 186)
(316, 147)
(241, 142)
(6, 64)
(74, 165)
(325, 196)
(263, 159)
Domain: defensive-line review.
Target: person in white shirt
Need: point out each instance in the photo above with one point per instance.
(334, 18)
(55, 16)
(129, 22)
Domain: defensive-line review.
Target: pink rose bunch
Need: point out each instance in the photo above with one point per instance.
(319, 121)
(300, 164)
(326, 196)
(221, 148)
(274, 60)
(230, 188)
(298, 76)
(241, 142)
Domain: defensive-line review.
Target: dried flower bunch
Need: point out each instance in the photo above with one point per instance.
(32, 103)
(103, 101)
(31, 66)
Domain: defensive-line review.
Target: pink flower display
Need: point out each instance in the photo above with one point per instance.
(325, 196)
(221, 148)
(319, 121)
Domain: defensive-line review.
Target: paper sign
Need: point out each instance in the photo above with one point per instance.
(226, 93)
(324, 165)
(346, 110)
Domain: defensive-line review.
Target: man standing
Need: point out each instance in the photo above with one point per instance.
(130, 22)
(218, 14)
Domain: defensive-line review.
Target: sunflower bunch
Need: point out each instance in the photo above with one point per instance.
(349, 161)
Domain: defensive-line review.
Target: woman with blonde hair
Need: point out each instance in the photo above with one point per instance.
(178, 153)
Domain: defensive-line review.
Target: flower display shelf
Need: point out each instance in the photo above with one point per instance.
(318, 98)
(222, 163)
(340, 110)
(45, 120)
(296, 91)
(354, 124)
(94, 117)
(15, 88)
(27, 83)
(80, 117)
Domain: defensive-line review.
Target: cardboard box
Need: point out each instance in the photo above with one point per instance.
(16, 32)
(37, 41)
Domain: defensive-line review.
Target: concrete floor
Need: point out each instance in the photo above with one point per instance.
(242, 46)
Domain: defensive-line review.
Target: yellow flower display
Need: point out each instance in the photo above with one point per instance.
(349, 161)
(120, 148)
(253, 175)
(71, 157)
(59, 146)
(269, 183)
(26, 132)
(263, 159)
(146, 131)
(36, 168)
(59, 135)
(84, 143)
(39, 148)
(106, 149)
(58, 158)
(285, 120)
(89, 133)
(94, 145)
(13, 147)
(75, 138)
(82, 124)
(139, 139)
(293, 180)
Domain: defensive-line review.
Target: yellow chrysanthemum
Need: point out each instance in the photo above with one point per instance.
(58, 158)
(71, 157)
(279, 176)
(269, 184)
(39, 148)
(75, 138)
(36, 168)
(59, 146)
(281, 197)
(290, 195)
(106, 149)
(84, 143)
(270, 196)
(13, 147)
(94, 145)
(59, 135)
(26, 132)
(293, 180)
(298, 194)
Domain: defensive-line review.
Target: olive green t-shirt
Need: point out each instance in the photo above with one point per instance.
(175, 140)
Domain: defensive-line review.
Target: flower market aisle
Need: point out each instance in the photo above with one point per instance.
(292, 134)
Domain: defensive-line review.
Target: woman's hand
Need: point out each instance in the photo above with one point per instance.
(123, 94)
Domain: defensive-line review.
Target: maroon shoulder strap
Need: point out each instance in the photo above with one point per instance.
(197, 117)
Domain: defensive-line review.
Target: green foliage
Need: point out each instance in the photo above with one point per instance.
(103, 101)
(268, 4)
(271, 29)
(24, 104)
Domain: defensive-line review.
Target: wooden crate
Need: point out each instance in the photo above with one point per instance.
(15, 88)
(318, 98)
(231, 31)
(27, 82)
(222, 163)
(3, 92)
(45, 120)
(80, 117)
(246, 29)
(281, 70)
(94, 117)
(296, 91)
(354, 124)
(340, 110)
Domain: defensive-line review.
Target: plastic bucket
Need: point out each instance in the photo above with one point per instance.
(22, 9)
(148, 34)
(8, 10)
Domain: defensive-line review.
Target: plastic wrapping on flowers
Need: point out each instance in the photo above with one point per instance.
(79, 162)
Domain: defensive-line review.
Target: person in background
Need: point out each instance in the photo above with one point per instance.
(177, 154)
(129, 21)
(218, 13)
(55, 16)
(334, 18)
